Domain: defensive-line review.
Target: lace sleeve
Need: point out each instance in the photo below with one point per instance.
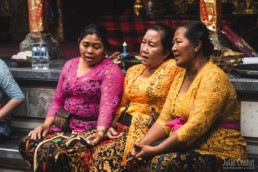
(111, 92)
(59, 98)
(211, 98)
(8, 84)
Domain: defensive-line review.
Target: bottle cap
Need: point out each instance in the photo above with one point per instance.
(43, 45)
(124, 44)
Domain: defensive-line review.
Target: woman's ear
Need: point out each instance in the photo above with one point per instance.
(198, 46)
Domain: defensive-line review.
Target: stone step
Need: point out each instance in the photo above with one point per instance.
(10, 157)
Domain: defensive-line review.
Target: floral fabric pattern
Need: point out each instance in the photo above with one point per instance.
(106, 156)
(181, 161)
(50, 154)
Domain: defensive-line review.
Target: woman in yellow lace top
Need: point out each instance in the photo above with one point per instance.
(146, 86)
(201, 114)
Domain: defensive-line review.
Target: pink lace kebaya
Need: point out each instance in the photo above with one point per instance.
(94, 94)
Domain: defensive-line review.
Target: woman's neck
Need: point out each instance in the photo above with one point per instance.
(194, 69)
(151, 70)
(147, 72)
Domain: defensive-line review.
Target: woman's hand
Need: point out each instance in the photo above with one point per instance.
(38, 131)
(113, 134)
(96, 138)
(141, 153)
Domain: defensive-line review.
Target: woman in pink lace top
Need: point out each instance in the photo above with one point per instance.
(94, 94)
(90, 88)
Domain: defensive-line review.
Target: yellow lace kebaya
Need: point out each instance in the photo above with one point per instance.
(211, 98)
(143, 94)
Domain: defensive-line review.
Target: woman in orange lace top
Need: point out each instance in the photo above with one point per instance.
(146, 86)
(201, 115)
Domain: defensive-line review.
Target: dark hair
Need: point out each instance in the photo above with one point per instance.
(197, 31)
(97, 29)
(166, 37)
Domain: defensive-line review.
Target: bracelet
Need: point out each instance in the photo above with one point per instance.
(101, 130)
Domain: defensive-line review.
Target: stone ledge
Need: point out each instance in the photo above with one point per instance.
(244, 84)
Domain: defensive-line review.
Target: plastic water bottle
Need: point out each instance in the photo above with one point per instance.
(35, 56)
(44, 57)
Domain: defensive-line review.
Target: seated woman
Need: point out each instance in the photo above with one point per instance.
(11, 97)
(90, 88)
(146, 86)
(200, 118)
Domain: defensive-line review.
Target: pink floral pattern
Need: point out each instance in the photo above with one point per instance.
(94, 94)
